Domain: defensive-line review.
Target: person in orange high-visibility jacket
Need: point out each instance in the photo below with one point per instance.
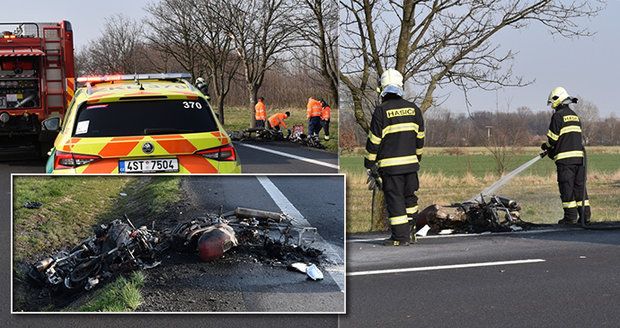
(326, 113)
(313, 113)
(260, 112)
(277, 120)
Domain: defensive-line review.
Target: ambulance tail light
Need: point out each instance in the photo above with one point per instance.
(224, 153)
(64, 160)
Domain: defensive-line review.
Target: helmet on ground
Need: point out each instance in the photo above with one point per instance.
(557, 96)
(392, 82)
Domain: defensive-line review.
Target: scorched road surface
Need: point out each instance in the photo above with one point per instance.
(237, 283)
(565, 278)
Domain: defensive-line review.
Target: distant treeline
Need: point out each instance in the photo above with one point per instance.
(484, 128)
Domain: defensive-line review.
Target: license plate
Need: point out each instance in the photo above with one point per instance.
(148, 165)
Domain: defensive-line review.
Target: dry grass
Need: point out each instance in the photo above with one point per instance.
(538, 195)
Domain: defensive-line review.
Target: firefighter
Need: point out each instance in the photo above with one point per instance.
(565, 146)
(277, 120)
(260, 112)
(313, 114)
(394, 147)
(201, 84)
(326, 112)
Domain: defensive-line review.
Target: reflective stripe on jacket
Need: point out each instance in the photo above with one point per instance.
(313, 108)
(564, 136)
(260, 111)
(396, 136)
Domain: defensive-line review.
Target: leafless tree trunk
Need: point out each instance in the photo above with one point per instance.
(261, 31)
(318, 26)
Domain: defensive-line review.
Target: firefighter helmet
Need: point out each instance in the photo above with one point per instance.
(391, 77)
(200, 81)
(391, 82)
(557, 96)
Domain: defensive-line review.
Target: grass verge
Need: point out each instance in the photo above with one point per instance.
(238, 118)
(72, 205)
(122, 295)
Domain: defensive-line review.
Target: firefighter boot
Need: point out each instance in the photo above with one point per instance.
(570, 216)
(587, 214)
(400, 235)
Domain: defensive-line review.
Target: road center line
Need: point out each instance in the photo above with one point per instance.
(304, 159)
(443, 267)
(288, 208)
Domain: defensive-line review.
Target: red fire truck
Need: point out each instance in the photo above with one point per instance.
(36, 80)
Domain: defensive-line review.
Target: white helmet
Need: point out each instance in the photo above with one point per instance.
(200, 80)
(391, 77)
(391, 82)
(557, 96)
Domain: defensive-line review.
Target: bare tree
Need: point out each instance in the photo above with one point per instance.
(588, 113)
(441, 42)
(116, 50)
(262, 34)
(318, 26)
(174, 32)
(217, 50)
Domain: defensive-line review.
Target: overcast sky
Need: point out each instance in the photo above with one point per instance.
(586, 67)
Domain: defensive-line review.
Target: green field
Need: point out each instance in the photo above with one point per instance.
(238, 118)
(446, 179)
(480, 163)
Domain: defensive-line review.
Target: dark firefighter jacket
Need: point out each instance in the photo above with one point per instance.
(564, 137)
(396, 137)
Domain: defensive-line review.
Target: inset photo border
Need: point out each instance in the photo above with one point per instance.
(221, 244)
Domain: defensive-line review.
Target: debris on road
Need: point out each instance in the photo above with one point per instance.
(423, 231)
(120, 247)
(314, 273)
(499, 214)
(32, 205)
(298, 266)
(296, 135)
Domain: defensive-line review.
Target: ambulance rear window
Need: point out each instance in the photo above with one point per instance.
(151, 117)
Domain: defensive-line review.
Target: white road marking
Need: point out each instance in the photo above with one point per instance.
(304, 159)
(288, 208)
(527, 232)
(443, 267)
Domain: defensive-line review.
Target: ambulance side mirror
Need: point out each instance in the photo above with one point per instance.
(51, 124)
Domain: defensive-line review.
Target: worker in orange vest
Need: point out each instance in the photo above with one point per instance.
(313, 113)
(260, 112)
(277, 120)
(326, 113)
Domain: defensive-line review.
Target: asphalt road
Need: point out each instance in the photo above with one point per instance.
(568, 278)
(271, 157)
